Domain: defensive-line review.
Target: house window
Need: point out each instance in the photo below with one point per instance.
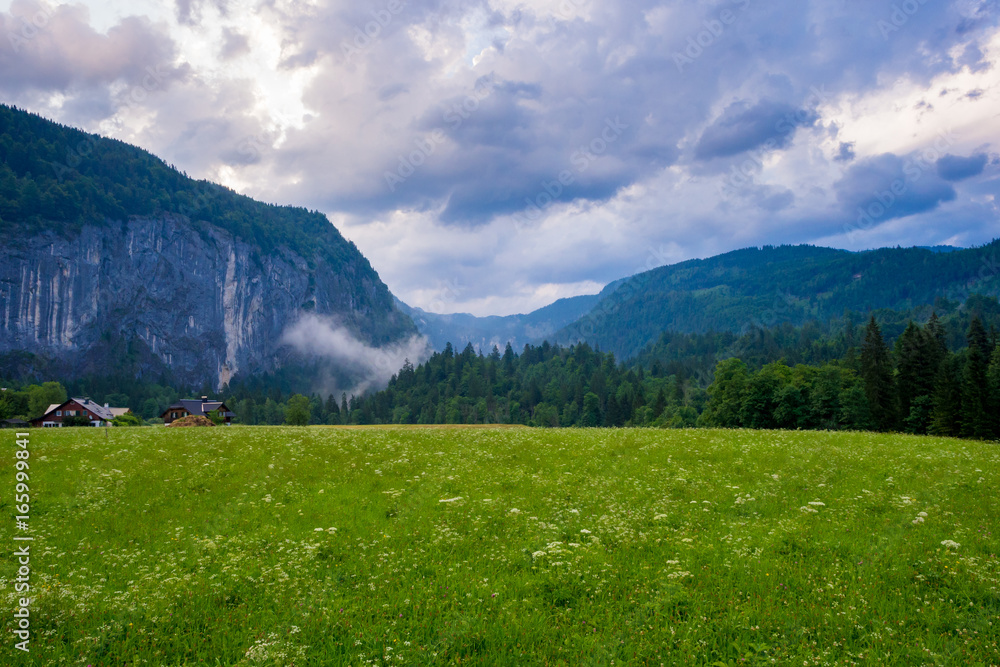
(58, 413)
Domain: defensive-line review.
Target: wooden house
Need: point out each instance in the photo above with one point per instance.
(200, 407)
(98, 415)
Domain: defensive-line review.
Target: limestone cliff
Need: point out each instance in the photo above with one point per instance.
(205, 304)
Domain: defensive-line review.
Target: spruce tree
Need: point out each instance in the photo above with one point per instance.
(508, 361)
(332, 410)
(917, 359)
(908, 369)
(945, 418)
(993, 387)
(939, 339)
(659, 404)
(976, 420)
(591, 410)
(613, 415)
(876, 373)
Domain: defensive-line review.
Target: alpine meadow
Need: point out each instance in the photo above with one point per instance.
(497, 546)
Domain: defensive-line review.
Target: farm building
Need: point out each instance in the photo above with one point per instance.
(98, 415)
(199, 407)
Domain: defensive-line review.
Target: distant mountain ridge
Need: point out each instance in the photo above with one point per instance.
(774, 284)
(109, 254)
(484, 333)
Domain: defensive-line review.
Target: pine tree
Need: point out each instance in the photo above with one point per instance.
(659, 403)
(508, 361)
(613, 415)
(935, 330)
(332, 410)
(677, 390)
(976, 418)
(917, 359)
(908, 360)
(945, 418)
(591, 410)
(876, 373)
(993, 385)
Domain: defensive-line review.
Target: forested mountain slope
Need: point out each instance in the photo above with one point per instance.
(767, 286)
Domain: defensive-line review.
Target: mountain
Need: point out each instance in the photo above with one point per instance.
(460, 329)
(763, 287)
(112, 260)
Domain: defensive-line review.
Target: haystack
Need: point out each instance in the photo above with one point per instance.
(192, 420)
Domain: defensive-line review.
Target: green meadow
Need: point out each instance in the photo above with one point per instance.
(504, 546)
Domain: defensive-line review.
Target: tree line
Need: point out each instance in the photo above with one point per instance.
(918, 386)
(941, 377)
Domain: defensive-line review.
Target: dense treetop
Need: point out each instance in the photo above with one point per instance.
(61, 178)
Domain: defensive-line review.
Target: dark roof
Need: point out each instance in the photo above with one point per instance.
(196, 406)
(14, 422)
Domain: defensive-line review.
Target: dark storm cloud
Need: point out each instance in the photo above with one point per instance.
(742, 127)
(957, 168)
(889, 186)
(561, 80)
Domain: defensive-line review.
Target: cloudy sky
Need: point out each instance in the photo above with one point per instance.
(490, 156)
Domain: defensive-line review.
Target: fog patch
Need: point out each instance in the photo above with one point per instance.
(370, 368)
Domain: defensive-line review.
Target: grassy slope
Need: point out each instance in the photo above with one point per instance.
(200, 546)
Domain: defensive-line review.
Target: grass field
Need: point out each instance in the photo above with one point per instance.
(310, 546)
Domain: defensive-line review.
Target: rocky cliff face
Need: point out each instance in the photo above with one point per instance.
(206, 305)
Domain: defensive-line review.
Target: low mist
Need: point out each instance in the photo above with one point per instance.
(368, 367)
